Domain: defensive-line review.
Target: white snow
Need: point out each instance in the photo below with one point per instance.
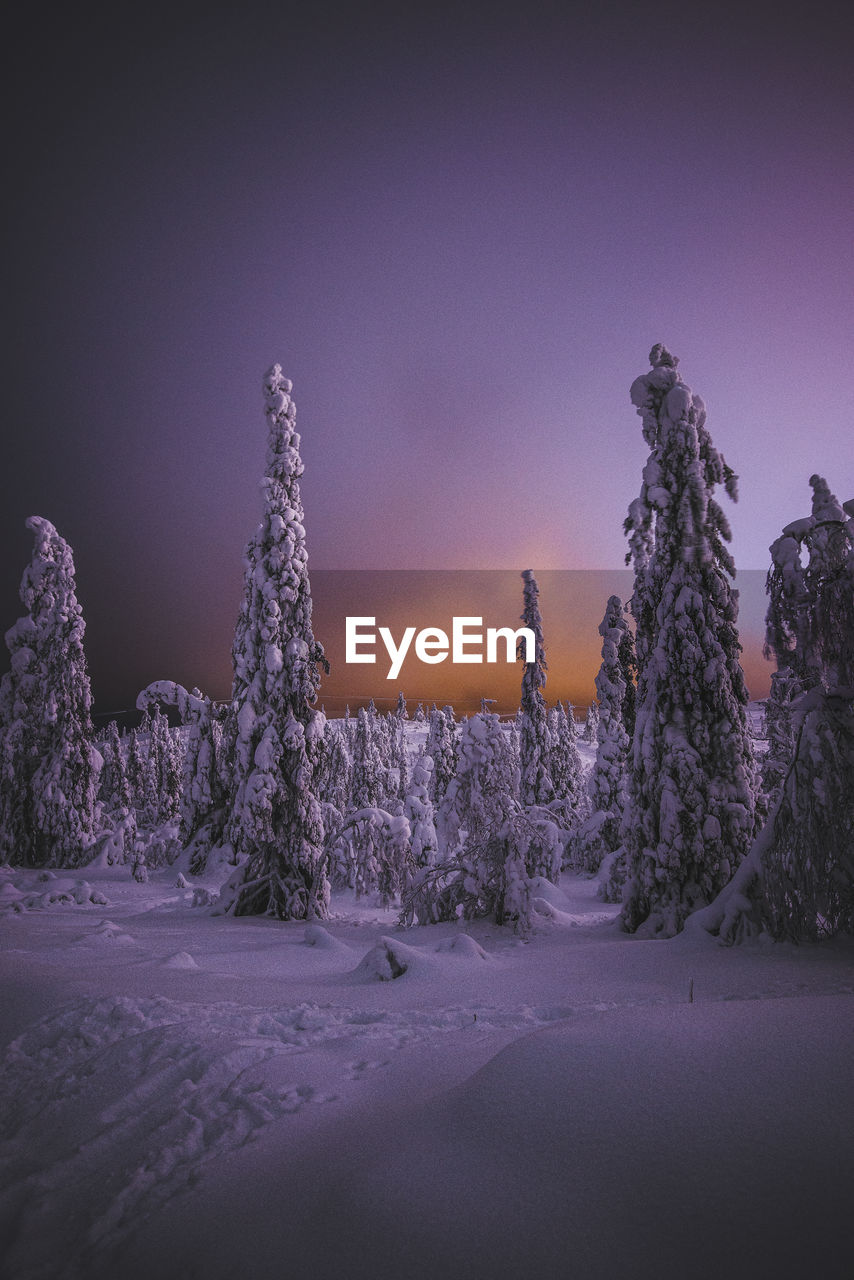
(186, 1095)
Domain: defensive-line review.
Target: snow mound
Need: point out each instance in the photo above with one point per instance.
(63, 892)
(180, 960)
(108, 932)
(726, 1112)
(391, 959)
(575, 919)
(181, 881)
(464, 947)
(544, 889)
(316, 936)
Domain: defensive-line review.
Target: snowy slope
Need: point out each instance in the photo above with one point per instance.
(186, 1095)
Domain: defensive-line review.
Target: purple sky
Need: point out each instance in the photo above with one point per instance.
(460, 235)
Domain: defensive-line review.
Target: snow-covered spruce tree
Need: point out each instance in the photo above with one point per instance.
(629, 671)
(274, 819)
(373, 846)
(488, 879)
(114, 790)
(171, 770)
(158, 840)
(369, 774)
(419, 812)
(48, 767)
(399, 760)
(690, 813)
(787, 601)
(119, 844)
(564, 760)
(808, 863)
(161, 779)
(383, 728)
(490, 871)
(401, 712)
(797, 882)
(419, 714)
(513, 744)
(591, 724)
(201, 797)
(339, 768)
(136, 758)
(535, 783)
(482, 791)
(789, 605)
(441, 747)
(779, 731)
(369, 848)
(607, 784)
(152, 773)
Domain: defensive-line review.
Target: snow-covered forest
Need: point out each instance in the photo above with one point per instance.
(416, 994)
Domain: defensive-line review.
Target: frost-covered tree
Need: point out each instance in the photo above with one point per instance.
(629, 672)
(172, 770)
(491, 848)
(339, 769)
(151, 799)
(48, 767)
(401, 712)
(779, 730)
(489, 878)
(535, 784)
(369, 775)
(420, 717)
(114, 789)
(441, 747)
(399, 760)
(121, 840)
(136, 759)
(375, 846)
(690, 814)
(608, 777)
(807, 858)
(202, 795)
(564, 760)
(798, 879)
(591, 724)
(274, 818)
(382, 729)
(161, 776)
(600, 833)
(789, 605)
(419, 812)
(483, 789)
(808, 864)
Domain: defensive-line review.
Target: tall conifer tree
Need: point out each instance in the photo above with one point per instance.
(536, 785)
(48, 767)
(274, 817)
(608, 776)
(690, 817)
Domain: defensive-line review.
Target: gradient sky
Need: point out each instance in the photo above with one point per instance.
(460, 233)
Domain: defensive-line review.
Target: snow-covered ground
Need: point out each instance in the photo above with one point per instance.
(192, 1096)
